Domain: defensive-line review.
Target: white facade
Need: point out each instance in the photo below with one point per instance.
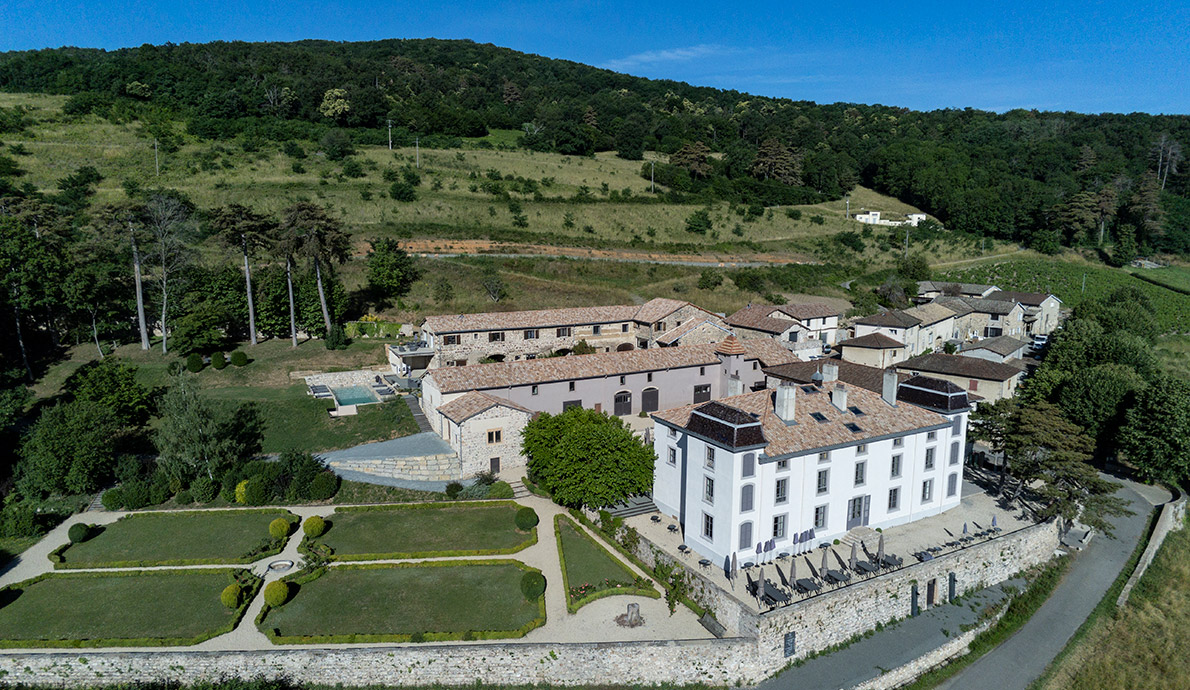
(743, 497)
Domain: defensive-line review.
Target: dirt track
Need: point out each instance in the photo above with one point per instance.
(474, 247)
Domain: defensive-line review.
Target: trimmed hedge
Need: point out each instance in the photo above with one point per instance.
(194, 363)
(279, 528)
(79, 532)
(230, 597)
(526, 519)
(276, 593)
(238, 358)
(574, 606)
(314, 526)
(250, 585)
(303, 578)
(532, 586)
(218, 361)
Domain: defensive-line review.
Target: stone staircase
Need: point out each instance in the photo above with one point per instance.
(423, 424)
(634, 505)
(519, 490)
(867, 535)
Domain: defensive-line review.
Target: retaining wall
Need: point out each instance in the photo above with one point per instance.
(1172, 517)
(430, 468)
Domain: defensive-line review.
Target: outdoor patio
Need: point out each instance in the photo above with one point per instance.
(937, 535)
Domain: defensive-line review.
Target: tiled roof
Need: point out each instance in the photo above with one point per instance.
(979, 305)
(872, 341)
(807, 434)
(809, 310)
(889, 319)
(467, 406)
(966, 289)
(676, 334)
(867, 377)
(957, 365)
(756, 317)
(541, 318)
(931, 313)
(650, 312)
(547, 369)
(1002, 345)
(1033, 299)
(730, 346)
(933, 394)
(727, 426)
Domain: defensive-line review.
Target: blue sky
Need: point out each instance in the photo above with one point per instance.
(1084, 56)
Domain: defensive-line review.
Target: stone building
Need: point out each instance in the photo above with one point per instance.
(485, 432)
(872, 350)
(990, 380)
(1042, 310)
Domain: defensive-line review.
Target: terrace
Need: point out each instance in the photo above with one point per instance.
(936, 536)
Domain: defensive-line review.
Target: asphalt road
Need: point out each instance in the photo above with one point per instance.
(1024, 657)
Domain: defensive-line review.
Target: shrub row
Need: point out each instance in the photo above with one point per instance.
(219, 361)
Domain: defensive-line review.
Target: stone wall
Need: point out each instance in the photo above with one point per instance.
(433, 468)
(835, 616)
(476, 453)
(712, 662)
(1172, 517)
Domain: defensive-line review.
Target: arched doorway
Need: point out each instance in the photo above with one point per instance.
(625, 347)
(623, 404)
(648, 400)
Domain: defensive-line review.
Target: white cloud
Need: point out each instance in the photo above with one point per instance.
(652, 57)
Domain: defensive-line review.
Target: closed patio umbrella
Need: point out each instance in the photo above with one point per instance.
(825, 565)
(851, 563)
(964, 528)
(880, 549)
(735, 568)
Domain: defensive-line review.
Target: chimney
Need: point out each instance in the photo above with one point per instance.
(839, 397)
(889, 390)
(786, 402)
(830, 372)
(734, 385)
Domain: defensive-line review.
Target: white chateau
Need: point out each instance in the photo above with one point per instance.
(802, 464)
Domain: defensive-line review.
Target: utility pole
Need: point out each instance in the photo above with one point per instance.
(906, 241)
(847, 215)
(652, 184)
(1084, 282)
(156, 158)
(417, 151)
(390, 134)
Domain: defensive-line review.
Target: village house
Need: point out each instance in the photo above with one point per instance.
(485, 432)
(1041, 310)
(990, 380)
(802, 328)
(807, 463)
(463, 339)
(927, 290)
(979, 317)
(923, 328)
(1002, 348)
(873, 350)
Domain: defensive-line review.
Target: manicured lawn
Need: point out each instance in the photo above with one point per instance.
(425, 530)
(176, 538)
(89, 609)
(378, 603)
(588, 568)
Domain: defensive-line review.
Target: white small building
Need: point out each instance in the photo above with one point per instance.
(801, 464)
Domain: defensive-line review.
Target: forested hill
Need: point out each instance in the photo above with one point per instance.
(1045, 179)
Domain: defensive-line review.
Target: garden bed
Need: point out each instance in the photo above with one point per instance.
(427, 530)
(590, 572)
(407, 602)
(121, 609)
(177, 538)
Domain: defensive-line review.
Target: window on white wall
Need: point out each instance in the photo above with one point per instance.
(927, 491)
(954, 453)
(746, 536)
(861, 470)
(899, 442)
(710, 461)
(748, 466)
(896, 466)
(708, 489)
(820, 517)
(823, 481)
(931, 435)
(782, 465)
(708, 526)
(779, 526)
(781, 495)
(672, 456)
(894, 499)
(952, 485)
(956, 426)
(824, 456)
(861, 449)
(746, 497)
(673, 432)
(929, 458)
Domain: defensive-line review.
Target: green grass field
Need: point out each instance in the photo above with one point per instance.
(1176, 277)
(174, 538)
(451, 203)
(589, 568)
(427, 530)
(388, 601)
(1066, 279)
(117, 609)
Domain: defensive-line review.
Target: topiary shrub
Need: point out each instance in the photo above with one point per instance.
(242, 492)
(112, 499)
(532, 586)
(203, 490)
(314, 526)
(324, 486)
(276, 593)
(526, 519)
(184, 498)
(231, 596)
(453, 489)
(336, 339)
(136, 494)
(279, 528)
(219, 361)
(194, 362)
(79, 532)
(239, 359)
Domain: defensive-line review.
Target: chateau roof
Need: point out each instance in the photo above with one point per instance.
(467, 406)
(647, 313)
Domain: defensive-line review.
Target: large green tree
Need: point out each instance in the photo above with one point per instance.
(197, 437)
(1156, 434)
(587, 458)
(112, 384)
(320, 238)
(240, 227)
(391, 272)
(70, 449)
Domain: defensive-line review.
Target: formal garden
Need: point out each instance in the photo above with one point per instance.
(426, 530)
(124, 608)
(178, 538)
(405, 602)
(590, 571)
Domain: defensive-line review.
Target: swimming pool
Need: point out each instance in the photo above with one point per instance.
(354, 395)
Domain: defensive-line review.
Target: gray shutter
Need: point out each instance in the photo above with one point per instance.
(746, 498)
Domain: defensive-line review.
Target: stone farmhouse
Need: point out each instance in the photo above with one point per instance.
(808, 463)
(927, 290)
(789, 323)
(989, 380)
(622, 383)
(1002, 348)
(979, 317)
(1041, 309)
(873, 350)
(463, 339)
